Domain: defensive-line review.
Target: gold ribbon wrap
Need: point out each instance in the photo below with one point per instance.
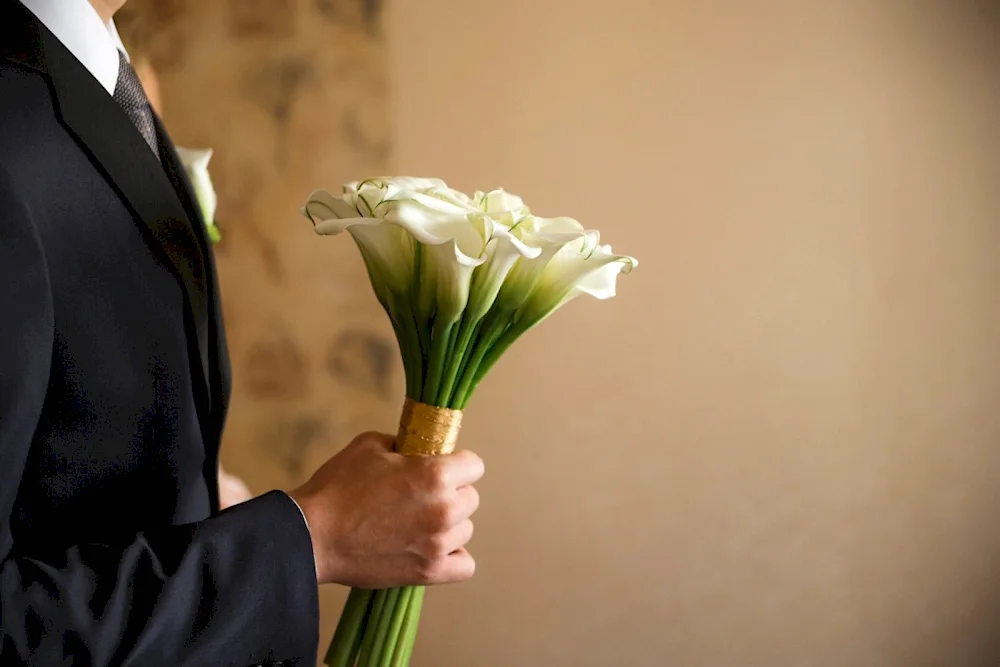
(427, 430)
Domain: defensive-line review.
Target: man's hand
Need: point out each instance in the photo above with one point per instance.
(379, 519)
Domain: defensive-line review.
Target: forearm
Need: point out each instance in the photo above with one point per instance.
(238, 589)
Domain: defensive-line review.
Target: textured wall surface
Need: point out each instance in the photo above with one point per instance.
(779, 446)
(292, 97)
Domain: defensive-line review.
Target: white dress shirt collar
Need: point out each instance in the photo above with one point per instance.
(77, 25)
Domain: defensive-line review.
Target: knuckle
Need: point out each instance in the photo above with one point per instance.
(373, 440)
(422, 573)
(467, 570)
(473, 499)
(473, 461)
(435, 477)
(437, 547)
(439, 516)
(367, 437)
(427, 571)
(412, 486)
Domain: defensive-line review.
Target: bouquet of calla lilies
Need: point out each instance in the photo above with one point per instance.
(461, 279)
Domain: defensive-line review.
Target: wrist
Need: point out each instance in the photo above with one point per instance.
(301, 502)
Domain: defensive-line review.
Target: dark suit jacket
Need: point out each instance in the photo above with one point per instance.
(114, 383)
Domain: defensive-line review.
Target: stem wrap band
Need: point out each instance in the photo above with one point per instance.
(427, 430)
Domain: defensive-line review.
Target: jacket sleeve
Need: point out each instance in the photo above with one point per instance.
(234, 590)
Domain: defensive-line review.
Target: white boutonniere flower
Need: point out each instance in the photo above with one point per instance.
(195, 163)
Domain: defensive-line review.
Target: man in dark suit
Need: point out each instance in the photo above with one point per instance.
(114, 383)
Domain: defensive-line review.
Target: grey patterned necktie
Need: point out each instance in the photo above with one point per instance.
(132, 98)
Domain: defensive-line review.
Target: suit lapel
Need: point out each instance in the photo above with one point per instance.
(176, 174)
(174, 169)
(103, 129)
(219, 377)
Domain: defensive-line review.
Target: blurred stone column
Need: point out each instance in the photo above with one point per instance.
(292, 97)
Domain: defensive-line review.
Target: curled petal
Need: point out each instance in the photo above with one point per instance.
(544, 227)
(500, 201)
(375, 192)
(419, 210)
(387, 249)
(399, 182)
(580, 267)
(601, 283)
(322, 205)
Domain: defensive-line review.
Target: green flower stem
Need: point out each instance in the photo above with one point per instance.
(418, 353)
(399, 650)
(403, 339)
(444, 388)
(390, 628)
(475, 331)
(381, 629)
(368, 646)
(347, 637)
(397, 616)
(409, 344)
(424, 337)
(492, 356)
(455, 363)
(489, 334)
(439, 354)
(422, 330)
(404, 650)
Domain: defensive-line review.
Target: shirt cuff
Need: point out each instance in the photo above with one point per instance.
(304, 519)
(306, 522)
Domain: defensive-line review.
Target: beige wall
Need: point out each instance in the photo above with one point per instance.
(780, 445)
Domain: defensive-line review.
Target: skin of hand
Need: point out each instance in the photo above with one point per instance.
(379, 519)
(232, 490)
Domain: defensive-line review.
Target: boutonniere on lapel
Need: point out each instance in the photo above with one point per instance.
(195, 163)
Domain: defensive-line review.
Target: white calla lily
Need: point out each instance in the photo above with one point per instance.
(451, 250)
(501, 204)
(409, 228)
(580, 267)
(195, 163)
(387, 250)
(569, 264)
(503, 251)
(549, 236)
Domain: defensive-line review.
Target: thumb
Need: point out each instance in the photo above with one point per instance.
(375, 441)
